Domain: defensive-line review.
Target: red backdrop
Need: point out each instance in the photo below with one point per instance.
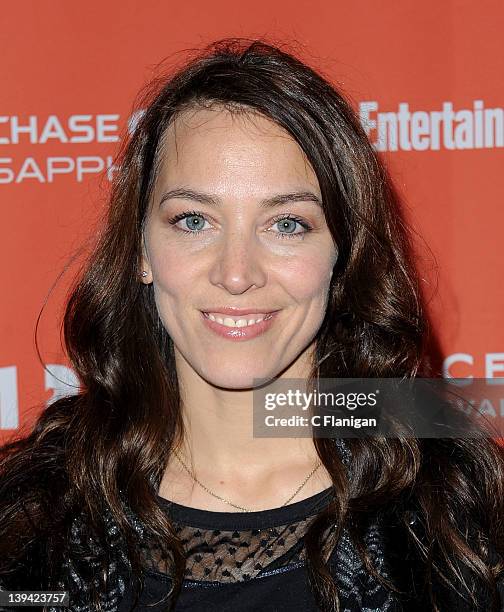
(426, 78)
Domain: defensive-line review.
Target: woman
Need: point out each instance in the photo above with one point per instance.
(252, 233)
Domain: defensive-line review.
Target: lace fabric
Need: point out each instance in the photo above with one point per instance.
(259, 545)
(241, 546)
(229, 547)
(225, 552)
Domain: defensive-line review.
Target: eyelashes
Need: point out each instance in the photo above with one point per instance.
(281, 235)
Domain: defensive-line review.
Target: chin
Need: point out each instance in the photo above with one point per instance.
(237, 379)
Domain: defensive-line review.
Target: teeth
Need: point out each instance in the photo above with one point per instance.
(229, 322)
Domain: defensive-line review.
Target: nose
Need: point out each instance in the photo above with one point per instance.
(238, 264)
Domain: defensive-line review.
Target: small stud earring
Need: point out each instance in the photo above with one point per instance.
(144, 272)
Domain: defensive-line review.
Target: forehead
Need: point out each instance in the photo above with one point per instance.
(240, 150)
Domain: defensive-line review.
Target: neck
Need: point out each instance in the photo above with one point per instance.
(220, 449)
(218, 423)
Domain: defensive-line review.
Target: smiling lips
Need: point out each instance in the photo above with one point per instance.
(236, 321)
(238, 324)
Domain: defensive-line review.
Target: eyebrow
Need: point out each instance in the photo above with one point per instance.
(212, 200)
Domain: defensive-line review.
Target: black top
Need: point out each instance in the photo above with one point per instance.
(256, 561)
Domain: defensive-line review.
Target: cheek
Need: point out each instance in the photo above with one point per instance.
(172, 279)
(173, 286)
(307, 278)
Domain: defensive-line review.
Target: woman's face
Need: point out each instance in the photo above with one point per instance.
(242, 230)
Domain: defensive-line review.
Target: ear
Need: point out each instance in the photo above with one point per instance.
(145, 265)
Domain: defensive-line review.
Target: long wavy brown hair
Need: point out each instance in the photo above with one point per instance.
(109, 444)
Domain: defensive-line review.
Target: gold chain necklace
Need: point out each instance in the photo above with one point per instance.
(319, 463)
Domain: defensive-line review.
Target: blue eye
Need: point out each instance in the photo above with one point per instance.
(194, 222)
(287, 224)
